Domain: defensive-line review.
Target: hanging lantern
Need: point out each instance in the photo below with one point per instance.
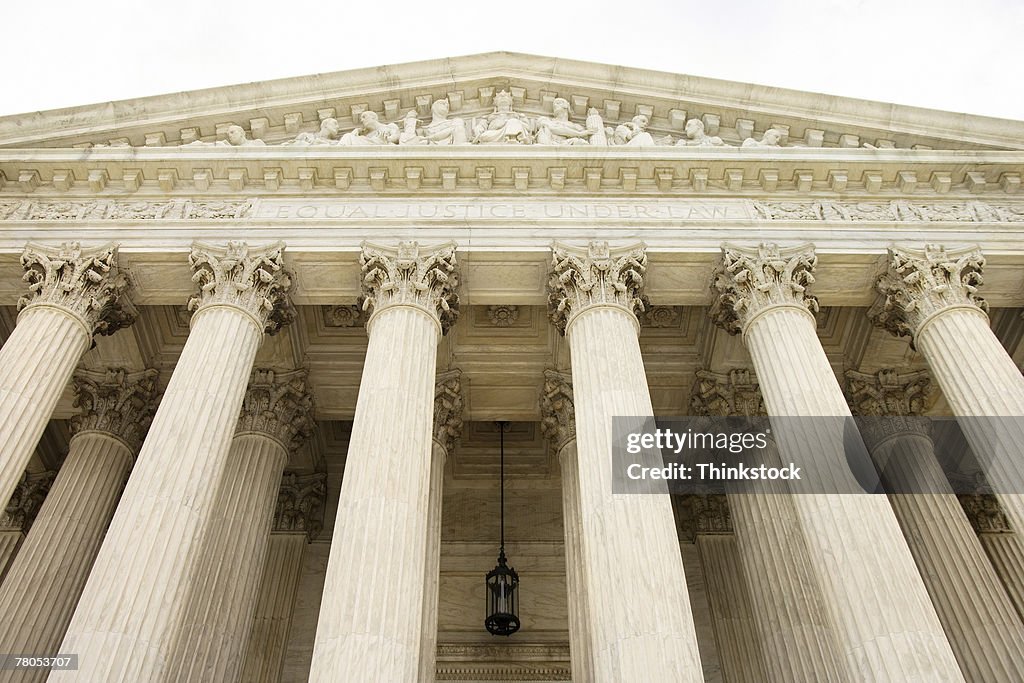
(502, 582)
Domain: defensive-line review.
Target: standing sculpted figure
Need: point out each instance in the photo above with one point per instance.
(442, 130)
(695, 136)
(559, 130)
(409, 136)
(771, 138)
(634, 133)
(327, 135)
(371, 132)
(504, 125)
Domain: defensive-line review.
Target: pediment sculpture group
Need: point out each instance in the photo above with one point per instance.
(502, 126)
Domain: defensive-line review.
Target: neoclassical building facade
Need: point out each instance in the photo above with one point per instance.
(256, 340)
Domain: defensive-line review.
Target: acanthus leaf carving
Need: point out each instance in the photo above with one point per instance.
(250, 278)
(448, 407)
(749, 281)
(115, 401)
(422, 277)
(557, 409)
(985, 513)
(26, 500)
(279, 405)
(919, 284)
(85, 282)
(597, 275)
(300, 504)
(893, 403)
(732, 394)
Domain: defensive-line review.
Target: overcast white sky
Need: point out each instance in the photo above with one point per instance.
(962, 56)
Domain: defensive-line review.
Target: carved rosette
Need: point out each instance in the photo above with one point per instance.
(750, 281)
(116, 402)
(733, 394)
(919, 284)
(899, 398)
(250, 278)
(300, 504)
(278, 405)
(424, 278)
(24, 505)
(503, 315)
(985, 513)
(448, 406)
(595, 276)
(86, 283)
(557, 409)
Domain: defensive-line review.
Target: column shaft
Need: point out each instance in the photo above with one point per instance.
(268, 640)
(134, 602)
(36, 364)
(46, 579)
(432, 577)
(1006, 553)
(222, 596)
(580, 647)
(371, 617)
(640, 618)
(738, 645)
(885, 623)
(10, 542)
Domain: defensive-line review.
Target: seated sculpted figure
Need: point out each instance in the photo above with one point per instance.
(695, 136)
(371, 132)
(235, 138)
(559, 130)
(442, 130)
(504, 125)
(409, 136)
(771, 138)
(634, 133)
(327, 135)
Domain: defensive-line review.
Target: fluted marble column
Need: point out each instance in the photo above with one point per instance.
(133, 606)
(74, 293)
(371, 613)
(930, 295)
(276, 419)
(885, 624)
(447, 429)
(46, 579)
(297, 521)
(1002, 544)
(17, 518)
(558, 423)
(640, 620)
(983, 628)
(786, 602)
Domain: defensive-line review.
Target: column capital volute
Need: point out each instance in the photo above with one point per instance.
(920, 284)
(557, 409)
(278, 404)
(420, 277)
(448, 406)
(115, 402)
(26, 500)
(250, 279)
(300, 504)
(83, 282)
(735, 393)
(752, 281)
(595, 276)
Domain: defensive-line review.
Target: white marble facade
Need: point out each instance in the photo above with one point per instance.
(255, 343)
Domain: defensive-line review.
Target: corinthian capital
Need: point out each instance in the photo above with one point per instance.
(985, 513)
(84, 282)
(733, 394)
(252, 279)
(115, 401)
(300, 503)
(750, 281)
(557, 410)
(595, 276)
(279, 405)
(28, 497)
(888, 393)
(409, 275)
(448, 408)
(919, 284)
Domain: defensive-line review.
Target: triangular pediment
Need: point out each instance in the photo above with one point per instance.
(278, 111)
